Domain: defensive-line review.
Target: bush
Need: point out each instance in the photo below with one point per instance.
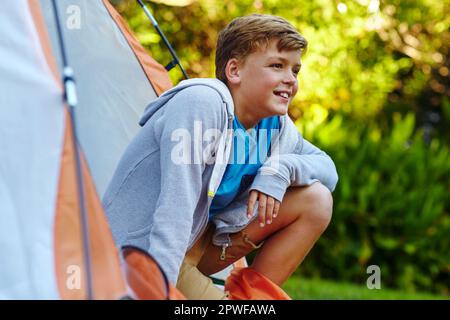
(391, 205)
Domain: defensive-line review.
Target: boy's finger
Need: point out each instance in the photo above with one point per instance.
(251, 203)
(269, 209)
(262, 209)
(276, 208)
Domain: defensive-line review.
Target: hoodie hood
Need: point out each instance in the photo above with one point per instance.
(214, 83)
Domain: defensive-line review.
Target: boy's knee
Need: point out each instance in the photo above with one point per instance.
(320, 205)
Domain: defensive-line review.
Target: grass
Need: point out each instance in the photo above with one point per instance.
(312, 289)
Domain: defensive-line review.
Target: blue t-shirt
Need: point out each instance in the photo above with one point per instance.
(250, 150)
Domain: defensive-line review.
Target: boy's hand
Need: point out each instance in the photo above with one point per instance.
(267, 207)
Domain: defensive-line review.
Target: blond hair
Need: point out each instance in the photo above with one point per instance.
(245, 35)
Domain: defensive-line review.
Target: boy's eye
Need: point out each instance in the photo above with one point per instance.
(277, 65)
(296, 71)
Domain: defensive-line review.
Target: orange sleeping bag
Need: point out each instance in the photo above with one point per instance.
(249, 284)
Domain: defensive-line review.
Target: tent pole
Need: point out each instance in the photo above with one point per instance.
(70, 98)
(175, 60)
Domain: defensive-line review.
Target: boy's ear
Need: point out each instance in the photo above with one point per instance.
(232, 71)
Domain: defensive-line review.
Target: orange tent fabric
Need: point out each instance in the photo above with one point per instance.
(249, 284)
(156, 73)
(175, 294)
(145, 278)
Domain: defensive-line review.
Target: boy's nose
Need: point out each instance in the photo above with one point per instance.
(290, 78)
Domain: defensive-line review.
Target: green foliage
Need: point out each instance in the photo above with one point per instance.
(391, 205)
(372, 71)
(364, 56)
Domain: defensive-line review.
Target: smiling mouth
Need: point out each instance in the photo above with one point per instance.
(282, 94)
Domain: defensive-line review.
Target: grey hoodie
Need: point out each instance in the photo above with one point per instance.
(160, 194)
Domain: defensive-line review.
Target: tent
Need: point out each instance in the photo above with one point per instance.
(41, 239)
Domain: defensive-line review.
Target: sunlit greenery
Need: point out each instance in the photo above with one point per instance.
(374, 93)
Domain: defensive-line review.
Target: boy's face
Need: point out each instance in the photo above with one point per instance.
(268, 80)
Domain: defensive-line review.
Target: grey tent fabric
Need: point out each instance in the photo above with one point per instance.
(112, 87)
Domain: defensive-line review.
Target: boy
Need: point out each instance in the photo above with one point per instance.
(181, 171)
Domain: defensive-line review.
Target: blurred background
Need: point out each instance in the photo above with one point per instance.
(374, 94)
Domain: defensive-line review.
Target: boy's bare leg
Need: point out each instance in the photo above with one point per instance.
(304, 214)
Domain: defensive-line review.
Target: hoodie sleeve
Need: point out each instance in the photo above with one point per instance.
(294, 162)
(181, 172)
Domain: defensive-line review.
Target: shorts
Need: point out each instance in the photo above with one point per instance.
(205, 258)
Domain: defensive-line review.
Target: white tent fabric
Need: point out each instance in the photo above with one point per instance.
(31, 132)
